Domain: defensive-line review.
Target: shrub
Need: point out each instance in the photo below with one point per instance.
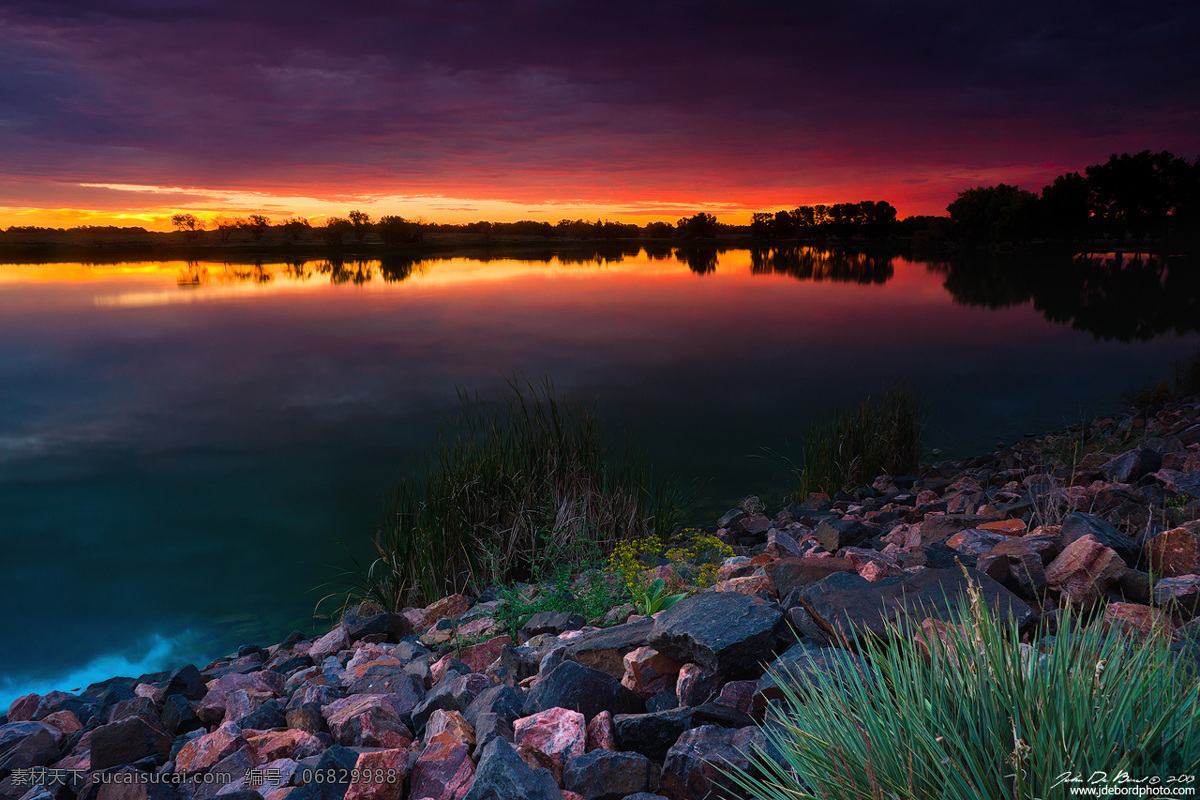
(509, 495)
(854, 445)
(964, 711)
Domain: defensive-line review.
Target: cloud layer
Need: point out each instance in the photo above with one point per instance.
(538, 101)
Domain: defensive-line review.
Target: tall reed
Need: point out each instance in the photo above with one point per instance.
(509, 494)
(969, 712)
(855, 444)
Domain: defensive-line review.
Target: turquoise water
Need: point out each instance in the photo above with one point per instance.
(183, 445)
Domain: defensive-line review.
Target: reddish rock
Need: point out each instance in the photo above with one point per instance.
(212, 708)
(740, 568)
(600, 733)
(480, 656)
(1084, 570)
(366, 721)
(876, 570)
(477, 627)
(443, 770)
(376, 768)
(65, 721)
(695, 765)
(781, 544)
(448, 607)
(751, 584)
(294, 744)
(1179, 595)
(1009, 527)
(23, 708)
(1175, 552)
(415, 618)
(242, 702)
(974, 542)
(696, 685)
(1138, 619)
(738, 695)
(452, 723)
(793, 573)
(557, 732)
(201, 753)
(330, 644)
(648, 672)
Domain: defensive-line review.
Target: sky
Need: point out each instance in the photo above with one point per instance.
(127, 111)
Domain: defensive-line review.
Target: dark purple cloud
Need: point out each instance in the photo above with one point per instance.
(615, 101)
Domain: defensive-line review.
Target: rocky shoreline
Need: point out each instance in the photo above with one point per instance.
(1104, 519)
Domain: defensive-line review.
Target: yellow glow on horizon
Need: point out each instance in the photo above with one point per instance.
(146, 209)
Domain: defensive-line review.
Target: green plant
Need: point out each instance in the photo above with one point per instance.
(591, 596)
(510, 493)
(854, 445)
(965, 711)
(652, 598)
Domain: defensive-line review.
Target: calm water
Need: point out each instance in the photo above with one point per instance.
(182, 445)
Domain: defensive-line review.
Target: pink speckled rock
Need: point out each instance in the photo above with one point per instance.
(648, 671)
(448, 607)
(443, 770)
(559, 733)
(366, 721)
(380, 763)
(1083, 570)
(480, 656)
(330, 644)
(750, 584)
(600, 733)
(204, 751)
(293, 743)
(452, 723)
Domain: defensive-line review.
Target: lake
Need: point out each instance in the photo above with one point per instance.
(184, 446)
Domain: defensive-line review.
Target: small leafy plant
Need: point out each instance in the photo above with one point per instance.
(654, 598)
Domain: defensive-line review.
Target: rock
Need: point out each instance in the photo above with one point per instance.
(600, 733)
(848, 606)
(738, 696)
(234, 767)
(801, 668)
(201, 753)
(559, 733)
(307, 718)
(780, 544)
(292, 744)
(1142, 621)
(1017, 565)
(502, 775)
(1179, 595)
(1084, 570)
(692, 767)
(128, 740)
(452, 723)
(455, 694)
(553, 622)
(1175, 552)
(834, 534)
(730, 517)
(651, 734)
(366, 721)
(1132, 465)
(391, 765)
(65, 721)
(604, 775)
(939, 527)
(1077, 525)
(504, 701)
(605, 649)
(330, 644)
(724, 632)
(443, 770)
(24, 708)
(447, 608)
(579, 688)
(262, 684)
(186, 681)
(392, 627)
(974, 542)
(696, 685)
(26, 743)
(488, 726)
(480, 656)
(335, 765)
(648, 671)
(383, 676)
(750, 584)
(179, 716)
(270, 714)
(1008, 527)
(788, 575)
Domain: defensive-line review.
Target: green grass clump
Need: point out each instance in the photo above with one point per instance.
(854, 445)
(592, 595)
(511, 493)
(973, 714)
(1157, 393)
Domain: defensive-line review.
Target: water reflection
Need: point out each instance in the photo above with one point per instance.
(1112, 296)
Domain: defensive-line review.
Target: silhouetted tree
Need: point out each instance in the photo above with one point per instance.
(700, 226)
(398, 230)
(989, 214)
(361, 222)
(188, 225)
(1064, 211)
(335, 230)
